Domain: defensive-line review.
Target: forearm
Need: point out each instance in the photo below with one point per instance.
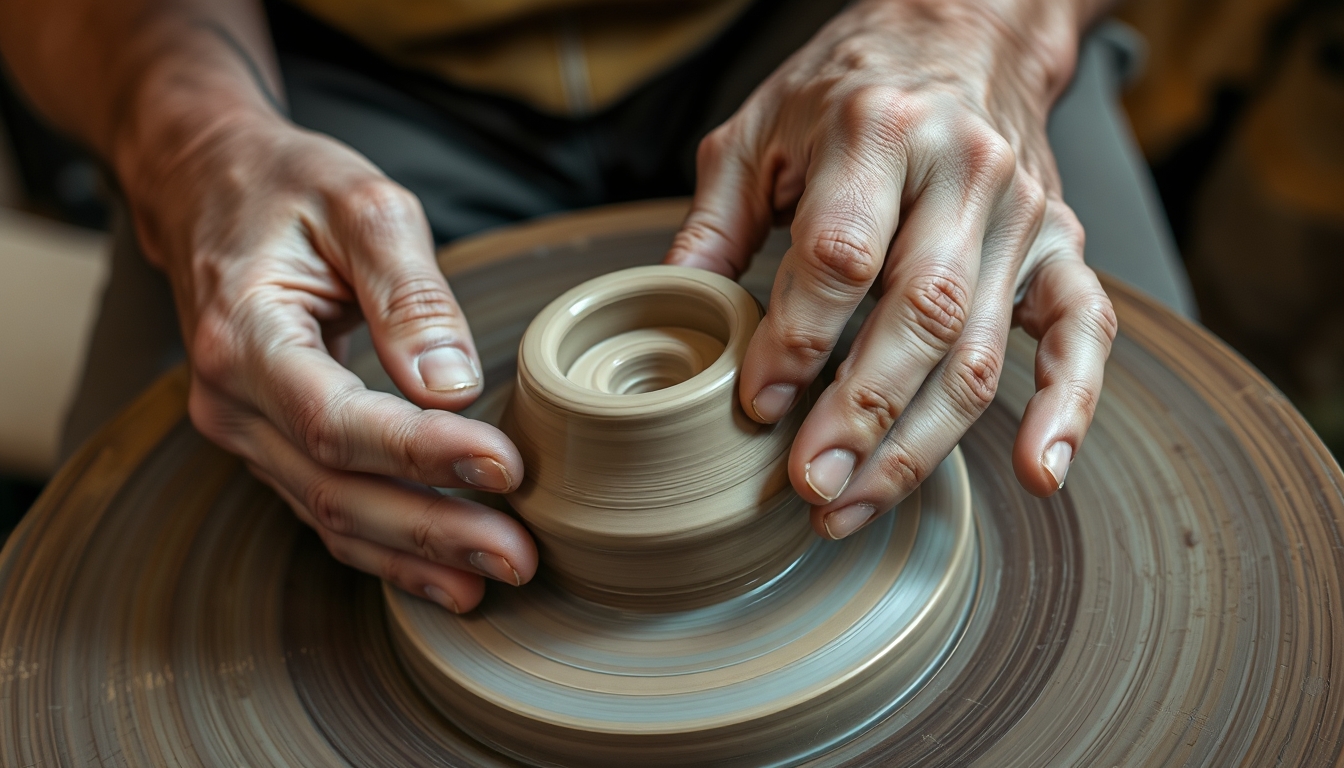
(139, 81)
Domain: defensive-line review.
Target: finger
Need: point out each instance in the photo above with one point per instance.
(931, 278)
(454, 589)
(841, 233)
(954, 395)
(959, 388)
(415, 520)
(730, 214)
(381, 239)
(326, 411)
(1067, 310)
(458, 591)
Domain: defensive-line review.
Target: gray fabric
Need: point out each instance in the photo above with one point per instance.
(477, 161)
(1106, 181)
(134, 340)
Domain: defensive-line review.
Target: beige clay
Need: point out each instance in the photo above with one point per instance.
(1178, 602)
(686, 613)
(647, 486)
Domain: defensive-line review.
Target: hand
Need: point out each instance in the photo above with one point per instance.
(277, 241)
(906, 141)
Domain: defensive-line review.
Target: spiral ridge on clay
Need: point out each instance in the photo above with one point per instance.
(647, 486)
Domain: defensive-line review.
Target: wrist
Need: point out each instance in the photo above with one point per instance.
(1033, 43)
(180, 100)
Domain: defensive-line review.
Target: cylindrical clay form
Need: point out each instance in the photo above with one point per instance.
(647, 487)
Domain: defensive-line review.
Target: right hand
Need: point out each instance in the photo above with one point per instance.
(277, 242)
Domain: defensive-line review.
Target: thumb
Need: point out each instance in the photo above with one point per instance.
(730, 214)
(418, 329)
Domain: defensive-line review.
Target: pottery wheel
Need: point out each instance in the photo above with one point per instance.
(1177, 604)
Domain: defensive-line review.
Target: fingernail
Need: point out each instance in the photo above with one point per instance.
(447, 369)
(495, 567)
(441, 597)
(847, 520)
(483, 472)
(829, 472)
(773, 402)
(1056, 461)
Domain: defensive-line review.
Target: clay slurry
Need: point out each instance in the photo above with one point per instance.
(645, 360)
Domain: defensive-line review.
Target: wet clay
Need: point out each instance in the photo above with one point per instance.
(686, 612)
(1177, 603)
(647, 487)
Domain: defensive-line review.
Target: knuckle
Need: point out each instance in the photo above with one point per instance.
(841, 255)
(882, 115)
(900, 468)
(428, 535)
(377, 206)
(418, 301)
(810, 349)
(1082, 397)
(714, 146)
(940, 304)
(323, 499)
(704, 232)
(411, 445)
(319, 426)
(1099, 315)
(875, 407)
(988, 156)
(975, 379)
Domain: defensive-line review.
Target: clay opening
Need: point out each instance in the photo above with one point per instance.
(644, 343)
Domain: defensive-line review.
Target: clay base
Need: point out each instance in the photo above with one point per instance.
(826, 648)
(1178, 603)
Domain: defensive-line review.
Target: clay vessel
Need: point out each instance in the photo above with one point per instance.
(647, 486)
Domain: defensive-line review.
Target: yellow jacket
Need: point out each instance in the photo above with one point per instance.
(562, 56)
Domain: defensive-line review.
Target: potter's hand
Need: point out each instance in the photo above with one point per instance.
(907, 142)
(277, 242)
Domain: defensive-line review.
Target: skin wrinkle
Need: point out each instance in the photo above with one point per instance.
(901, 469)
(977, 370)
(122, 113)
(784, 282)
(871, 402)
(324, 504)
(847, 261)
(415, 300)
(253, 68)
(268, 330)
(939, 305)
(967, 168)
(317, 425)
(181, 97)
(376, 214)
(811, 347)
(429, 519)
(406, 439)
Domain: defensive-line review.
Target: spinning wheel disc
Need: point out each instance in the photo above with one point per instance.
(1177, 603)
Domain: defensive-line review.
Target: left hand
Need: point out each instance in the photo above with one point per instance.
(907, 143)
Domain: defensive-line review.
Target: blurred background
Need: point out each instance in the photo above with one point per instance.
(1239, 111)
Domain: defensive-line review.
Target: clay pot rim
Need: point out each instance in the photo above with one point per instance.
(538, 351)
